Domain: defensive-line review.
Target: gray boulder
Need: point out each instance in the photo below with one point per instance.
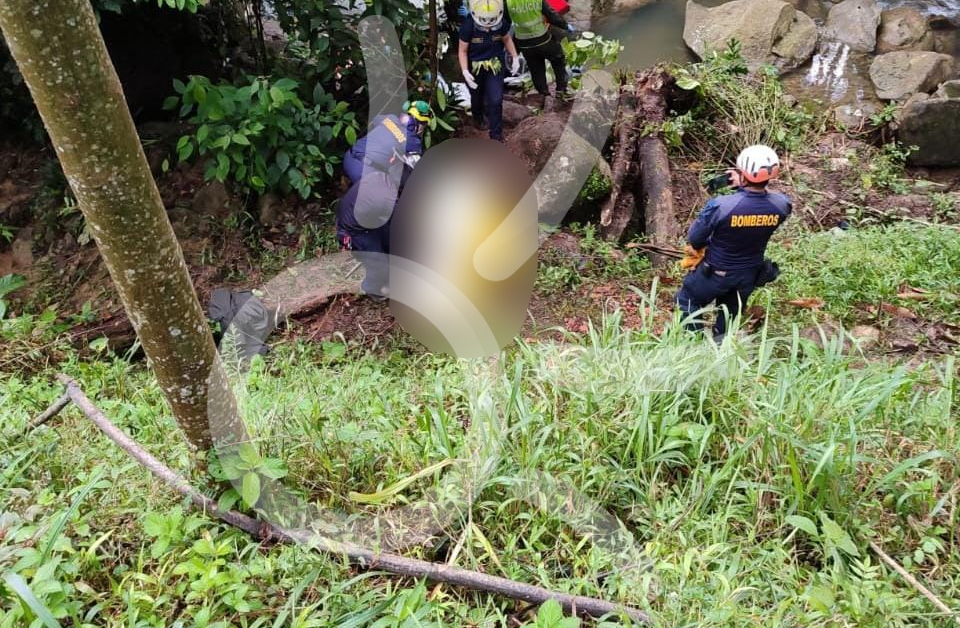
(904, 28)
(899, 75)
(933, 126)
(854, 23)
(769, 31)
(950, 89)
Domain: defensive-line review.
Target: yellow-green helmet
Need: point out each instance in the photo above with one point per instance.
(419, 109)
(487, 14)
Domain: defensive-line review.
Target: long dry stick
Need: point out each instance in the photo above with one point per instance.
(363, 557)
(45, 416)
(914, 582)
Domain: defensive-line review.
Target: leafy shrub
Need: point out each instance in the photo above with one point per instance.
(116, 6)
(261, 135)
(735, 109)
(589, 52)
(325, 43)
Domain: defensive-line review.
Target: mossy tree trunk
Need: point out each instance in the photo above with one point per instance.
(63, 59)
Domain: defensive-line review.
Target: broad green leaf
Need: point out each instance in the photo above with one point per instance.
(549, 614)
(838, 536)
(351, 135)
(821, 598)
(10, 283)
(251, 488)
(803, 523)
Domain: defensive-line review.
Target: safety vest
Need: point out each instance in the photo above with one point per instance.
(527, 17)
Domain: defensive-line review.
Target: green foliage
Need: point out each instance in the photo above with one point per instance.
(550, 615)
(886, 115)
(596, 188)
(325, 43)
(261, 135)
(8, 284)
(247, 468)
(735, 109)
(886, 169)
(590, 51)
(712, 456)
(117, 6)
(945, 206)
(443, 119)
(863, 266)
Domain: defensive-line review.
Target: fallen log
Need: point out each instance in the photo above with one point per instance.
(618, 208)
(660, 220)
(362, 557)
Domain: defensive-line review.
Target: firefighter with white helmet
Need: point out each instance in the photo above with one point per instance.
(728, 240)
(484, 38)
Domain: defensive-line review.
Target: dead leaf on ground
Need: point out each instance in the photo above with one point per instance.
(811, 303)
(905, 346)
(893, 310)
(910, 292)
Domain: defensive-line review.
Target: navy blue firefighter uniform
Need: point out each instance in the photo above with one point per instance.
(735, 229)
(363, 226)
(486, 56)
(389, 135)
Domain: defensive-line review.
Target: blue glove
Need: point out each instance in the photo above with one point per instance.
(571, 28)
(462, 10)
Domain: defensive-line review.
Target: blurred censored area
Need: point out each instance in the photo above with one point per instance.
(455, 200)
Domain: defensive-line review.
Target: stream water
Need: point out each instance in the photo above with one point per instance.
(653, 31)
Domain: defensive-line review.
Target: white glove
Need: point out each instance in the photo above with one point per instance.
(471, 82)
(515, 65)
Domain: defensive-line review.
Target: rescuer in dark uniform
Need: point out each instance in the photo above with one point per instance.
(389, 135)
(734, 229)
(363, 221)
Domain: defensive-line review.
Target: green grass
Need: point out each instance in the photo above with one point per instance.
(860, 267)
(748, 479)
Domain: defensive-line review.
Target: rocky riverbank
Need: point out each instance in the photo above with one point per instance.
(854, 56)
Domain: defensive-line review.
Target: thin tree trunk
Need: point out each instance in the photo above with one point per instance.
(432, 45)
(64, 62)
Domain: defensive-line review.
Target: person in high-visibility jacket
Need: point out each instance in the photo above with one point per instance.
(389, 135)
(538, 44)
(734, 230)
(484, 36)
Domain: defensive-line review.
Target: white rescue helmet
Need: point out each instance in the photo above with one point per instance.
(487, 14)
(758, 163)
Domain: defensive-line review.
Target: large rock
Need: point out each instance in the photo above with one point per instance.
(769, 31)
(933, 126)
(950, 89)
(213, 199)
(854, 23)
(904, 28)
(535, 140)
(514, 113)
(899, 75)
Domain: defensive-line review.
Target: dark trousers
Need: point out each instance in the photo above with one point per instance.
(701, 288)
(486, 102)
(537, 58)
(369, 247)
